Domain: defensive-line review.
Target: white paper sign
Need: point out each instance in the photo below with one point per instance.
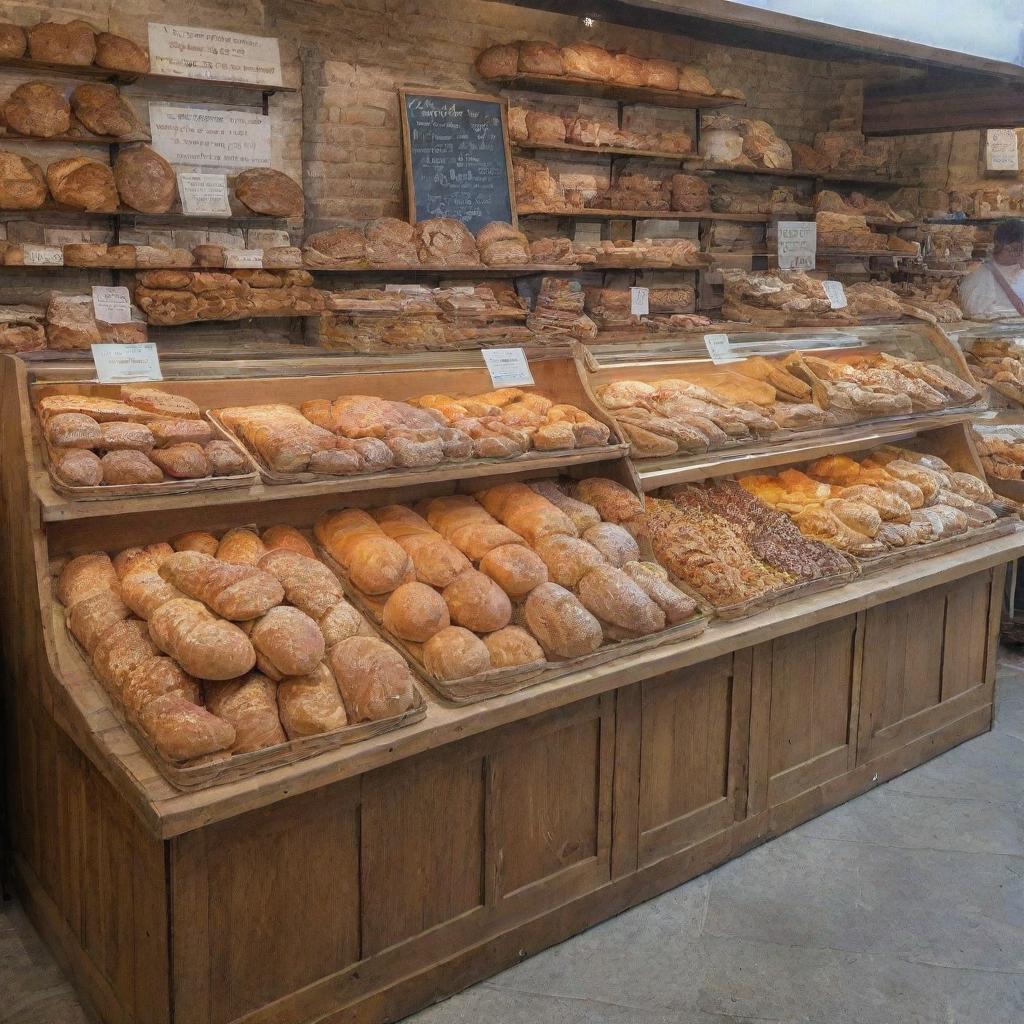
(798, 244)
(639, 301)
(507, 366)
(204, 195)
(200, 137)
(118, 363)
(1001, 150)
(111, 305)
(235, 259)
(718, 348)
(44, 256)
(213, 54)
(836, 293)
(268, 238)
(412, 289)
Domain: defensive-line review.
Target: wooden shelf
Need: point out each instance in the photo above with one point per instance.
(70, 139)
(573, 147)
(783, 172)
(563, 85)
(51, 212)
(434, 271)
(748, 218)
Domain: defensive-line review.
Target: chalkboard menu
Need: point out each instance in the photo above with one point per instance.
(457, 161)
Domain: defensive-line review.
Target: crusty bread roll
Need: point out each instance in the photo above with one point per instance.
(156, 677)
(171, 432)
(269, 192)
(236, 592)
(582, 515)
(512, 646)
(561, 624)
(241, 546)
(568, 559)
(653, 581)
(477, 602)
(196, 540)
(100, 409)
(90, 618)
(660, 74)
(122, 647)
(205, 646)
(373, 561)
(141, 559)
(341, 622)
(136, 437)
(415, 612)
(22, 183)
(612, 595)
(287, 538)
(79, 468)
(455, 653)
(627, 70)
(73, 430)
(435, 561)
(249, 704)
(84, 576)
(184, 461)
(515, 568)
(145, 590)
(615, 503)
(308, 583)
(463, 521)
(614, 542)
(311, 704)
(525, 511)
(130, 467)
(287, 642)
(182, 731)
(373, 679)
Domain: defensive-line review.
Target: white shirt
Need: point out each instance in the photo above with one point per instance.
(982, 298)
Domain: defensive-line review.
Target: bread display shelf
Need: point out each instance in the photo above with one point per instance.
(52, 212)
(572, 147)
(594, 214)
(8, 138)
(787, 172)
(434, 270)
(566, 85)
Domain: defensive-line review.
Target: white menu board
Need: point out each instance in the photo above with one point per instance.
(213, 54)
(194, 136)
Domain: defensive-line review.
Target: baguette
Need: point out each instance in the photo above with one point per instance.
(287, 643)
(373, 679)
(205, 646)
(182, 730)
(249, 705)
(373, 561)
(311, 704)
(235, 592)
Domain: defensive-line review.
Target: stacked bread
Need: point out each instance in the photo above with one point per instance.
(779, 298)
(848, 231)
(891, 498)
(72, 324)
(40, 110)
(585, 61)
(742, 142)
(780, 199)
(511, 577)
(365, 434)
(933, 301)
(542, 128)
(215, 647)
(558, 312)
(147, 436)
(1002, 452)
(73, 43)
(682, 253)
(611, 308)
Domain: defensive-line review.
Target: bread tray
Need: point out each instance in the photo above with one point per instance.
(445, 470)
(186, 777)
(497, 682)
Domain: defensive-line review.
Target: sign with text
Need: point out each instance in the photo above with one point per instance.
(797, 245)
(111, 305)
(1001, 150)
(639, 301)
(457, 158)
(43, 256)
(117, 364)
(238, 259)
(200, 137)
(204, 195)
(836, 293)
(718, 348)
(213, 54)
(508, 367)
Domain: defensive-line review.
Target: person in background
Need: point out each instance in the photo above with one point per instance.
(996, 288)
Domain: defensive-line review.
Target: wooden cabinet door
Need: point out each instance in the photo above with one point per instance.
(928, 660)
(693, 745)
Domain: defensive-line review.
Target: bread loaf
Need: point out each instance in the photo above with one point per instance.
(464, 522)
(311, 704)
(71, 324)
(455, 653)
(615, 503)
(90, 618)
(515, 568)
(512, 646)
(196, 540)
(182, 731)
(72, 430)
(287, 538)
(136, 437)
(538, 58)
(341, 622)
(582, 60)
(287, 642)
(79, 468)
(82, 184)
(185, 461)
(269, 192)
(146, 590)
(156, 677)
(660, 74)
(249, 705)
(373, 562)
(523, 510)
(613, 597)
(653, 581)
(582, 515)
(145, 180)
(203, 645)
(477, 602)
(435, 561)
(562, 625)
(236, 592)
(282, 436)
(241, 546)
(84, 576)
(115, 655)
(130, 467)
(159, 403)
(102, 110)
(224, 458)
(120, 54)
(568, 559)
(415, 612)
(372, 677)
(498, 61)
(22, 184)
(616, 544)
(171, 432)
(145, 559)
(13, 41)
(70, 43)
(38, 110)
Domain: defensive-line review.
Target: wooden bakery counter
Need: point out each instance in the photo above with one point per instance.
(386, 873)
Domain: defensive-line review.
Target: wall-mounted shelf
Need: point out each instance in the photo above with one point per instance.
(71, 139)
(574, 147)
(829, 176)
(592, 214)
(564, 85)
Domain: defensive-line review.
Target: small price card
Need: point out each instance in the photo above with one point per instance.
(44, 256)
(835, 293)
(1001, 150)
(238, 259)
(116, 364)
(204, 195)
(111, 305)
(718, 348)
(508, 367)
(798, 244)
(639, 301)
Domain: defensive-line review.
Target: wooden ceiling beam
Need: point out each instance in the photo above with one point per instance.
(913, 109)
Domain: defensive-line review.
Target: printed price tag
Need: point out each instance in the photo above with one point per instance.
(236, 259)
(411, 289)
(508, 367)
(204, 195)
(1001, 150)
(44, 256)
(718, 348)
(111, 305)
(797, 245)
(640, 301)
(116, 364)
(213, 54)
(268, 238)
(836, 293)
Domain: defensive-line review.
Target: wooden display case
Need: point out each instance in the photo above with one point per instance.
(372, 879)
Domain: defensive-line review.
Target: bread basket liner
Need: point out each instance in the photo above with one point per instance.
(242, 766)
(499, 681)
(358, 481)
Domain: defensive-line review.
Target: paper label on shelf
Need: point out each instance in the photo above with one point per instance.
(718, 348)
(213, 54)
(1001, 150)
(196, 136)
(237, 259)
(412, 289)
(797, 244)
(204, 195)
(111, 305)
(836, 293)
(44, 256)
(268, 238)
(639, 301)
(508, 367)
(116, 364)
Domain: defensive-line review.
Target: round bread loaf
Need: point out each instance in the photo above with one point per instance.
(455, 653)
(340, 623)
(562, 626)
(120, 54)
(71, 43)
(22, 185)
(38, 110)
(498, 61)
(567, 559)
(515, 568)
(477, 602)
(128, 467)
(614, 597)
(186, 461)
(614, 542)
(196, 540)
(102, 110)
(289, 641)
(241, 546)
(269, 192)
(79, 468)
(283, 537)
(13, 41)
(415, 612)
(83, 184)
(512, 646)
(145, 180)
(73, 430)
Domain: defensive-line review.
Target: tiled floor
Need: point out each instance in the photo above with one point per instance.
(904, 906)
